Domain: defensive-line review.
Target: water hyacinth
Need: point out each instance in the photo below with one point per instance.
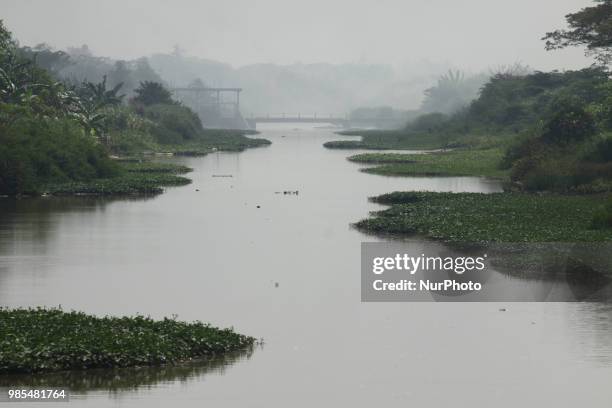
(35, 340)
(136, 178)
(499, 217)
(474, 162)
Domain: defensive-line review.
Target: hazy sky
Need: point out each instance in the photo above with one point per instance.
(471, 34)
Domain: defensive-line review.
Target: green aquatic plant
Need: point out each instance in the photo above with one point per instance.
(603, 217)
(475, 162)
(484, 218)
(33, 340)
(136, 178)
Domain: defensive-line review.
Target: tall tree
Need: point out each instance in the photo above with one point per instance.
(151, 93)
(590, 27)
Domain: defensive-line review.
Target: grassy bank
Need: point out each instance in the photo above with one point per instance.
(134, 178)
(478, 162)
(406, 139)
(206, 141)
(388, 140)
(501, 217)
(35, 340)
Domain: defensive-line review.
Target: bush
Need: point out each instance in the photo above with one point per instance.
(601, 152)
(571, 123)
(36, 151)
(175, 124)
(603, 217)
(151, 93)
(428, 122)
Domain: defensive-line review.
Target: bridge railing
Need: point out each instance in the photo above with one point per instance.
(309, 116)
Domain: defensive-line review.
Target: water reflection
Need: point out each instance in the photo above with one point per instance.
(127, 379)
(33, 220)
(215, 254)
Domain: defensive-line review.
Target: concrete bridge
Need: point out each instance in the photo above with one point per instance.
(298, 118)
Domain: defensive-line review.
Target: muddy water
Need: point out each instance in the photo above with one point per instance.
(214, 255)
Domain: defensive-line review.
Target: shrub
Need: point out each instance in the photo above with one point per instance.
(174, 123)
(601, 152)
(152, 93)
(35, 151)
(428, 122)
(571, 123)
(603, 217)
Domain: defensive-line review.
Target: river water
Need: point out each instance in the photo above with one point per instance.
(289, 272)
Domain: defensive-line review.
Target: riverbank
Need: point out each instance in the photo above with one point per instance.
(386, 140)
(476, 162)
(404, 139)
(35, 340)
(482, 218)
(207, 141)
(135, 177)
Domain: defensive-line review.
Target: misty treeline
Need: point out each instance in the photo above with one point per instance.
(555, 128)
(60, 123)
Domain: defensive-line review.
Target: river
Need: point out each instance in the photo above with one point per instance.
(233, 252)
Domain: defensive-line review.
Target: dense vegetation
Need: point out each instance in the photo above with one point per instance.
(555, 127)
(499, 217)
(544, 131)
(34, 340)
(58, 135)
(481, 162)
(134, 178)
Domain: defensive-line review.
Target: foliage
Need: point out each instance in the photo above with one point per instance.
(52, 133)
(499, 217)
(602, 219)
(511, 102)
(452, 92)
(33, 340)
(152, 93)
(476, 162)
(390, 139)
(136, 178)
(97, 96)
(35, 151)
(589, 27)
(601, 151)
(429, 122)
(562, 154)
(174, 124)
(570, 123)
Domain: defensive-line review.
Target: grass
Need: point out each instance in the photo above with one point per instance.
(394, 140)
(35, 340)
(209, 140)
(403, 139)
(136, 178)
(483, 218)
(224, 140)
(390, 139)
(475, 162)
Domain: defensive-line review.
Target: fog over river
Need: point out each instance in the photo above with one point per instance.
(286, 268)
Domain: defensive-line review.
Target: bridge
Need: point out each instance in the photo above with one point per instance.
(298, 118)
(216, 107)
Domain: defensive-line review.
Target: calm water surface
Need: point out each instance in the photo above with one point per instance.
(212, 255)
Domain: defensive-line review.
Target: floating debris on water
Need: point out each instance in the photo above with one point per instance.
(222, 175)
